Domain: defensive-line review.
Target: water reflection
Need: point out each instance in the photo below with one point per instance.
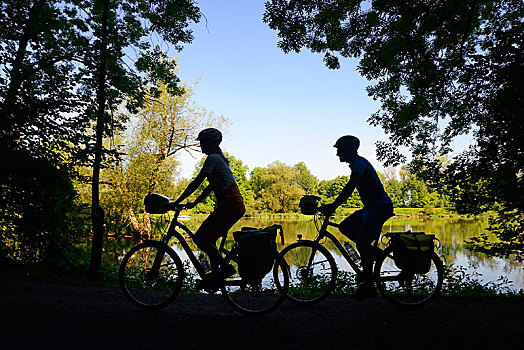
(450, 232)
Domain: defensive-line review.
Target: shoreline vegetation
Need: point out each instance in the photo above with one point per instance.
(440, 213)
(458, 282)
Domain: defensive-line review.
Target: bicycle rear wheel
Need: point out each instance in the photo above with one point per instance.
(151, 275)
(313, 272)
(258, 297)
(404, 288)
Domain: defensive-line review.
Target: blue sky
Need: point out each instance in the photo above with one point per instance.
(286, 107)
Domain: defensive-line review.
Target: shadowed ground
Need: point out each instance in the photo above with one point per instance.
(43, 315)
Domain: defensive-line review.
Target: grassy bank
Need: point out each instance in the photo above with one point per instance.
(435, 213)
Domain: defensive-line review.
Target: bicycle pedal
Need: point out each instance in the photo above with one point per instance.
(199, 284)
(209, 285)
(227, 271)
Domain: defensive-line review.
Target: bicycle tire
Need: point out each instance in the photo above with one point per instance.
(309, 285)
(147, 289)
(260, 297)
(407, 289)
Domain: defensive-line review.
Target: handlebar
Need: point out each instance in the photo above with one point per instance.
(177, 207)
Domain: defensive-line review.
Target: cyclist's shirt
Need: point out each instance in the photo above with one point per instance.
(221, 179)
(369, 187)
(230, 204)
(218, 172)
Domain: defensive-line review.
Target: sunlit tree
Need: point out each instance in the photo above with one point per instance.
(278, 189)
(305, 179)
(165, 126)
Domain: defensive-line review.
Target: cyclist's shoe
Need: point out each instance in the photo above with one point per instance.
(209, 284)
(226, 271)
(364, 292)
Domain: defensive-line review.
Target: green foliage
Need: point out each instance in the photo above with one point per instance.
(65, 64)
(277, 189)
(330, 189)
(440, 69)
(508, 227)
(395, 190)
(38, 218)
(407, 192)
(42, 42)
(149, 147)
(305, 179)
(459, 283)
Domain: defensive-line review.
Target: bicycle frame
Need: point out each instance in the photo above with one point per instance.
(324, 233)
(173, 233)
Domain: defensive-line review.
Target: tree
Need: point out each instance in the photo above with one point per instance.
(41, 132)
(329, 191)
(40, 43)
(307, 181)
(395, 191)
(441, 69)
(64, 65)
(118, 26)
(276, 188)
(37, 211)
(154, 137)
(168, 124)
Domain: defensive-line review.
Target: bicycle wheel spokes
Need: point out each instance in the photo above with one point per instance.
(404, 288)
(313, 272)
(260, 296)
(151, 275)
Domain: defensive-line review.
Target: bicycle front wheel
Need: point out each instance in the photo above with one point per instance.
(405, 288)
(261, 296)
(313, 272)
(151, 275)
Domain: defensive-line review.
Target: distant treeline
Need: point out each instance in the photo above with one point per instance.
(276, 188)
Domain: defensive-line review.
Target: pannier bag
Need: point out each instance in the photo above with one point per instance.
(412, 251)
(308, 204)
(256, 251)
(156, 203)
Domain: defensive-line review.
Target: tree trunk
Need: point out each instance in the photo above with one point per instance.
(7, 108)
(97, 213)
(134, 220)
(147, 223)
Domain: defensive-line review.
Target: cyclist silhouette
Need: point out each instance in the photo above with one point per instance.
(364, 225)
(230, 205)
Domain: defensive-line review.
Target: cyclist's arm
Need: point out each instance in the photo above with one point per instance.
(192, 187)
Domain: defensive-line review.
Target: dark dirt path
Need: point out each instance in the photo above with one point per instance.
(44, 315)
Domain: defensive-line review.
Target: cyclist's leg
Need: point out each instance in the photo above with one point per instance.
(216, 225)
(350, 226)
(372, 221)
(207, 235)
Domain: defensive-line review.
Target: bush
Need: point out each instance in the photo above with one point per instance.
(37, 210)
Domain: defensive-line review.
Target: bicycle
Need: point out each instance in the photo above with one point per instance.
(314, 270)
(151, 273)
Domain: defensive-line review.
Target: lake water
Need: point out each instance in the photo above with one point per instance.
(451, 232)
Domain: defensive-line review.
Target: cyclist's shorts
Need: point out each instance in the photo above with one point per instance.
(364, 225)
(229, 210)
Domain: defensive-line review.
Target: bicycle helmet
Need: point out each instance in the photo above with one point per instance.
(211, 135)
(348, 141)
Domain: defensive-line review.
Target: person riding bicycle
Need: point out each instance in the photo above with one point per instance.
(364, 225)
(230, 204)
